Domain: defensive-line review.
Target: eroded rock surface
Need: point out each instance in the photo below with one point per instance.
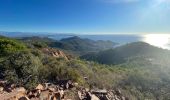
(55, 53)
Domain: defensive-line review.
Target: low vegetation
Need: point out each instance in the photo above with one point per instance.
(8, 46)
(138, 77)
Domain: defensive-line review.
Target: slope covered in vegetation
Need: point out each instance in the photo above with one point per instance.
(128, 52)
(138, 78)
(75, 44)
(8, 46)
(79, 44)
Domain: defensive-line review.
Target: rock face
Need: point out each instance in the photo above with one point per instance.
(55, 53)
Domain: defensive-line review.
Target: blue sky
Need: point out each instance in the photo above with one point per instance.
(85, 16)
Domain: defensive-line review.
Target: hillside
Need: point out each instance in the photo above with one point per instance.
(127, 52)
(137, 78)
(36, 42)
(83, 45)
(8, 46)
(74, 45)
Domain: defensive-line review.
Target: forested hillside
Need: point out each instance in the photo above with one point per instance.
(138, 78)
(75, 45)
(128, 52)
(79, 44)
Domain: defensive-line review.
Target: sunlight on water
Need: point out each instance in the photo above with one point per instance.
(160, 40)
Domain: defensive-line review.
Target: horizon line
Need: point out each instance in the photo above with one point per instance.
(90, 33)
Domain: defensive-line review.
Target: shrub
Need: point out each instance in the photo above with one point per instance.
(8, 46)
(20, 67)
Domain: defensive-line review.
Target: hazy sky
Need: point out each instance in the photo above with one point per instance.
(85, 16)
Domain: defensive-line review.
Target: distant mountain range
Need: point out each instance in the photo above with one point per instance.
(73, 44)
(118, 38)
(83, 45)
(31, 34)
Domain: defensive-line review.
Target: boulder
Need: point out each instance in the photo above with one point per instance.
(20, 89)
(14, 95)
(47, 85)
(44, 95)
(35, 98)
(75, 84)
(61, 92)
(40, 87)
(24, 98)
(52, 89)
(2, 83)
(118, 92)
(94, 97)
(1, 89)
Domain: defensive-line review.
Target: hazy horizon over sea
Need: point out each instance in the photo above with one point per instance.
(159, 40)
(114, 38)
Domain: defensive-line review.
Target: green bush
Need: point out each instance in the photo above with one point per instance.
(8, 46)
(20, 67)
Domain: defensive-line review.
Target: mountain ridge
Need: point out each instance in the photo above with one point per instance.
(122, 53)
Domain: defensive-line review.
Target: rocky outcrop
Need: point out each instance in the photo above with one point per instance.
(101, 94)
(45, 91)
(16, 94)
(55, 53)
(62, 90)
